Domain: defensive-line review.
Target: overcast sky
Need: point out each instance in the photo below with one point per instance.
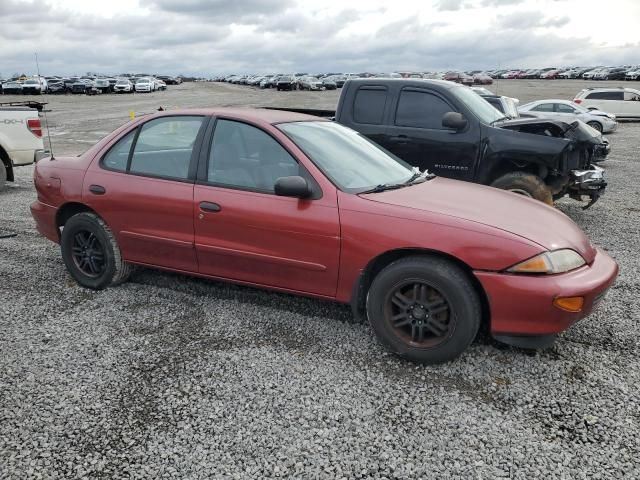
(206, 37)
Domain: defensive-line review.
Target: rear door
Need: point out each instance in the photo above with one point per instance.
(244, 232)
(143, 188)
(368, 113)
(610, 101)
(416, 135)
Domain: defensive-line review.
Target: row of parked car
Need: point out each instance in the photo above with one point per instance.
(87, 85)
(331, 81)
(628, 72)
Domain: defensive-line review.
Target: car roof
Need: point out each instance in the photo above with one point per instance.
(416, 82)
(259, 115)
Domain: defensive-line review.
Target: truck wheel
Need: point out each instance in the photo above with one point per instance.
(91, 253)
(527, 184)
(424, 309)
(596, 125)
(3, 175)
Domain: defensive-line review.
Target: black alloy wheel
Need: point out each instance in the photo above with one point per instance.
(424, 308)
(88, 254)
(419, 313)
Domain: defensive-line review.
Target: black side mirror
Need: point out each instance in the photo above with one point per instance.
(454, 120)
(294, 186)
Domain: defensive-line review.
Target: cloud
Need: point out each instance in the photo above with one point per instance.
(206, 38)
(525, 20)
(500, 3)
(450, 5)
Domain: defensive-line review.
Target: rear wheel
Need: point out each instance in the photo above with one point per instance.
(91, 253)
(526, 184)
(596, 125)
(3, 175)
(424, 309)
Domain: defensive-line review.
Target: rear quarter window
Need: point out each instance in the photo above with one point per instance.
(369, 105)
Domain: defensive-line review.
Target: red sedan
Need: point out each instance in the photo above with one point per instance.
(302, 205)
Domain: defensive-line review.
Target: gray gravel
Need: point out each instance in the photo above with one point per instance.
(173, 377)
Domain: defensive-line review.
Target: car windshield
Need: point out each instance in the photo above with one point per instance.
(352, 162)
(482, 109)
(31, 82)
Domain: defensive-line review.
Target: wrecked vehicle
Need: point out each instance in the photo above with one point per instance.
(451, 131)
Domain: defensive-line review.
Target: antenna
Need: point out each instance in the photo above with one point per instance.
(44, 111)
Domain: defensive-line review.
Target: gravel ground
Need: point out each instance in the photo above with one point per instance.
(172, 377)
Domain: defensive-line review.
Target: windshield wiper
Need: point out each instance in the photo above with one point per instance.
(504, 117)
(383, 187)
(417, 175)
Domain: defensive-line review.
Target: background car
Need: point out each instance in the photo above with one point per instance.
(12, 88)
(102, 84)
(505, 105)
(329, 84)
(310, 83)
(287, 82)
(633, 74)
(145, 84)
(34, 86)
(123, 85)
(482, 79)
(459, 77)
(621, 102)
(57, 86)
(568, 111)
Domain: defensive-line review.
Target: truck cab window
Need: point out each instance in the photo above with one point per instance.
(421, 110)
(368, 106)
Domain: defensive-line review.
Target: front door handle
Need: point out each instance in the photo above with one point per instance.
(209, 207)
(97, 189)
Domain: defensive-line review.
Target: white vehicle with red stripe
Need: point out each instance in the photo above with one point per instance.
(20, 137)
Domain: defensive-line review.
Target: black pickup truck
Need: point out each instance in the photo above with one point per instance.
(453, 132)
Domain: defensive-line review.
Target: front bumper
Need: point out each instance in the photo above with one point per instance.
(522, 305)
(589, 183)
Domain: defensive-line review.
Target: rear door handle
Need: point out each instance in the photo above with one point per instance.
(399, 139)
(209, 207)
(97, 189)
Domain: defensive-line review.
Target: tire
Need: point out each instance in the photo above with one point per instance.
(526, 184)
(441, 284)
(596, 125)
(3, 175)
(111, 270)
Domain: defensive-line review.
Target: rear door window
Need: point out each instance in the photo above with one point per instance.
(543, 107)
(164, 147)
(369, 104)
(612, 95)
(562, 108)
(420, 109)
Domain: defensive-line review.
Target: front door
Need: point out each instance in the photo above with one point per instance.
(244, 232)
(143, 189)
(417, 136)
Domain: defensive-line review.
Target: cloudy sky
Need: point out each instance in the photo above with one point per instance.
(206, 37)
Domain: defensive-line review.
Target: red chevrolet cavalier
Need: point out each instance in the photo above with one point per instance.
(302, 205)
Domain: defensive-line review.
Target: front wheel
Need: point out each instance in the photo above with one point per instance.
(424, 309)
(91, 253)
(526, 184)
(595, 125)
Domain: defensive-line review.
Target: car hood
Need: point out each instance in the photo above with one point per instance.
(576, 130)
(506, 211)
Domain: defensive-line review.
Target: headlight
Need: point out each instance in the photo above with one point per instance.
(558, 261)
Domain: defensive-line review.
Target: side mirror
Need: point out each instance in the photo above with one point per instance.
(454, 121)
(292, 187)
